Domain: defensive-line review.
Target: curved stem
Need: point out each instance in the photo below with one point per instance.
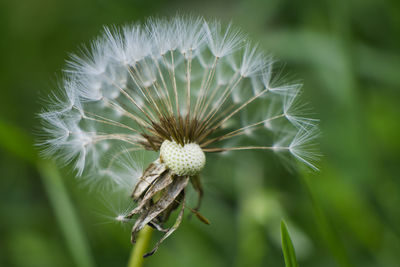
(140, 248)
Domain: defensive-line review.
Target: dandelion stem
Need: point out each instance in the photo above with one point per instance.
(140, 248)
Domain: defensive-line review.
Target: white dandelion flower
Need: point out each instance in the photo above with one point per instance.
(181, 87)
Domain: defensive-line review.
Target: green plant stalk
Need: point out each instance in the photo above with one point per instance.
(140, 248)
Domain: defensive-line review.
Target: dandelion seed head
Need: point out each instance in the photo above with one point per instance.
(182, 88)
(135, 78)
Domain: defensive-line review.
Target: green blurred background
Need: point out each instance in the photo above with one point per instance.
(347, 53)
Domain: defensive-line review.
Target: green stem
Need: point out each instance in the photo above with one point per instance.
(140, 248)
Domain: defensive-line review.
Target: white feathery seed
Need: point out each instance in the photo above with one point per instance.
(222, 42)
(304, 149)
(253, 61)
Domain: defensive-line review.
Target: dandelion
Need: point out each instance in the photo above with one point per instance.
(183, 88)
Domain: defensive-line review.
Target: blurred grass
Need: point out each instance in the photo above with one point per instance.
(347, 54)
(21, 145)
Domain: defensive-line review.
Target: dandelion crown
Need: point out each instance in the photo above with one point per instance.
(182, 87)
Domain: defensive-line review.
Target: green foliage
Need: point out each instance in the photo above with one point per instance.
(20, 145)
(287, 247)
(347, 55)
